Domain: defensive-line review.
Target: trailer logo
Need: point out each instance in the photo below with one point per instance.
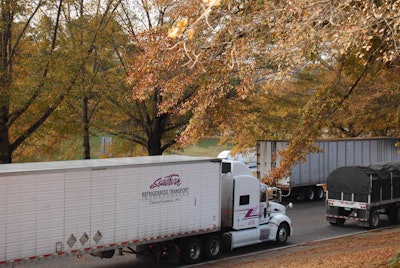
(158, 194)
(169, 180)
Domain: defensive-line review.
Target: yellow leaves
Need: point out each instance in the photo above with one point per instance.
(179, 29)
(191, 33)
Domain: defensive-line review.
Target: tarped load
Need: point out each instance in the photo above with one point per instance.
(380, 180)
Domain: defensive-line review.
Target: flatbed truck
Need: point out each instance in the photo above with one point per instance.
(363, 194)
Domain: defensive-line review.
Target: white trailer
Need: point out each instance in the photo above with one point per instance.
(307, 179)
(162, 204)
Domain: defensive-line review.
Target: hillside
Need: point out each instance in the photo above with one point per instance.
(375, 249)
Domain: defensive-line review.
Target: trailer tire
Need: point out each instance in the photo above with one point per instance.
(319, 193)
(374, 220)
(192, 250)
(394, 214)
(212, 246)
(309, 194)
(108, 254)
(397, 214)
(338, 222)
(282, 234)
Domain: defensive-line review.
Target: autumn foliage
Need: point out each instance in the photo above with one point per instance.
(241, 70)
(334, 63)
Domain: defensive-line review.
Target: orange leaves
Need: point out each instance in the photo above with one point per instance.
(160, 66)
(178, 29)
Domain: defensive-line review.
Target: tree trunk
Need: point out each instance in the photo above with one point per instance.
(85, 122)
(5, 154)
(5, 73)
(154, 146)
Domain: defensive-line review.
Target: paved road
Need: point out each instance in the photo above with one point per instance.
(308, 220)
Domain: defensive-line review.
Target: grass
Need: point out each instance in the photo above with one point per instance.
(207, 147)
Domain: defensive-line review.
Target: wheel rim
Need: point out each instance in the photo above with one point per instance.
(214, 248)
(320, 193)
(194, 251)
(375, 219)
(310, 195)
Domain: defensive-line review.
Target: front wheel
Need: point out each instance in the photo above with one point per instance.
(282, 234)
(192, 251)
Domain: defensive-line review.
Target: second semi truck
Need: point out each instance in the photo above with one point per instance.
(307, 179)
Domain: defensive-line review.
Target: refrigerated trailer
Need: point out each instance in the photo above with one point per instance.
(307, 180)
(363, 193)
(165, 205)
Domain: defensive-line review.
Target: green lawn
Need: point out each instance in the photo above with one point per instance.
(207, 147)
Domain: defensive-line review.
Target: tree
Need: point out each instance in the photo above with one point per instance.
(84, 33)
(148, 117)
(165, 88)
(9, 112)
(282, 38)
(38, 68)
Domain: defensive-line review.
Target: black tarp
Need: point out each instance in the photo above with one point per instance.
(357, 180)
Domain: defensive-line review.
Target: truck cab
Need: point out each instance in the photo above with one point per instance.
(247, 216)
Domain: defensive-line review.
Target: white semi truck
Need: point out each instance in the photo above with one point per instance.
(307, 180)
(173, 205)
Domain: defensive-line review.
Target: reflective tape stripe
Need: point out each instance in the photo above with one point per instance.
(347, 218)
(104, 247)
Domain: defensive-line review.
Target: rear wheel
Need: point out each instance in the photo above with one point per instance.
(374, 219)
(192, 250)
(212, 247)
(319, 193)
(394, 215)
(309, 194)
(338, 222)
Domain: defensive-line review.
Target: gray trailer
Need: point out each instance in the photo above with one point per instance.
(363, 193)
(307, 179)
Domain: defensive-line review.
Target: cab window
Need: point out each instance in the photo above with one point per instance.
(263, 197)
(244, 200)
